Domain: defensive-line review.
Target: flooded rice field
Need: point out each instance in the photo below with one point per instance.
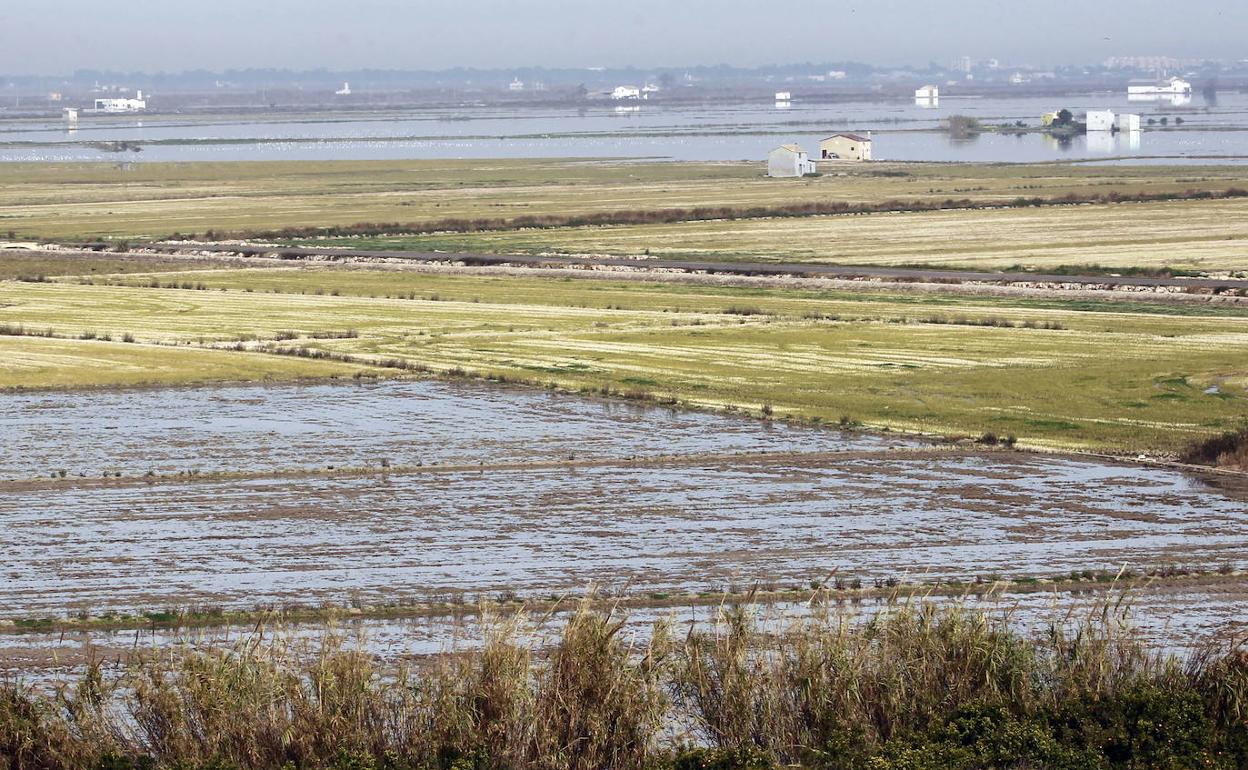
(1210, 131)
(277, 428)
(529, 493)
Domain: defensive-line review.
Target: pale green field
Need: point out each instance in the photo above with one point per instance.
(38, 363)
(1120, 377)
(90, 200)
(1206, 236)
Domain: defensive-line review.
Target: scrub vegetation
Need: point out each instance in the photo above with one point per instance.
(1193, 236)
(918, 687)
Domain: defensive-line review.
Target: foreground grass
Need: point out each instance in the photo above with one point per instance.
(1121, 377)
(918, 687)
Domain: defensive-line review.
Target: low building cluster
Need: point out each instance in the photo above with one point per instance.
(790, 160)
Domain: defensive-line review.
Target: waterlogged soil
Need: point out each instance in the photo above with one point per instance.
(290, 427)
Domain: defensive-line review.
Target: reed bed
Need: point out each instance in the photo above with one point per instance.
(917, 686)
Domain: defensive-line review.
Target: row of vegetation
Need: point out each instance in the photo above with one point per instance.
(1228, 450)
(700, 213)
(826, 590)
(917, 687)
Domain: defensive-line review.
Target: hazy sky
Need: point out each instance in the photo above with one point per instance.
(58, 36)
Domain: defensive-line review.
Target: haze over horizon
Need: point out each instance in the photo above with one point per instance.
(59, 36)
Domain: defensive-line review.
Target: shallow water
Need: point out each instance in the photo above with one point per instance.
(702, 132)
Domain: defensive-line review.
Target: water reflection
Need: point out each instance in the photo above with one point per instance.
(1168, 100)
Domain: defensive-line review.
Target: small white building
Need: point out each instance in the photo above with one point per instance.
(784, 96)
(516, 85)
(136, 104)
(1100, 120)
(927, 93)
(1128, 122)
(789, 161)
(71, 115)
(345, 90)
(623, 93)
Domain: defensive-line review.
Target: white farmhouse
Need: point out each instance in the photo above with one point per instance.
(622, 93)
(136, 104)
(789, 161)
(846, 146)
(784, 96)
(927, 93)
(1100, 120)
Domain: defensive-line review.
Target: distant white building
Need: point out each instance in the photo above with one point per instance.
(71, 115)
(1168, 87)
(1100, 120)
(784, 96)
(927, 92)
(789, 161)
(137, 104)
(1128, 122)
(516, 85)
(345, 90)
(622, 93)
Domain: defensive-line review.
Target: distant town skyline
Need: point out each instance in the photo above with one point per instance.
(60, 36)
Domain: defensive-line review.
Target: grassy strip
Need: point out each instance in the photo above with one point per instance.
(914, 687)
(704, 214)
(1106, 381)
(834, 589)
